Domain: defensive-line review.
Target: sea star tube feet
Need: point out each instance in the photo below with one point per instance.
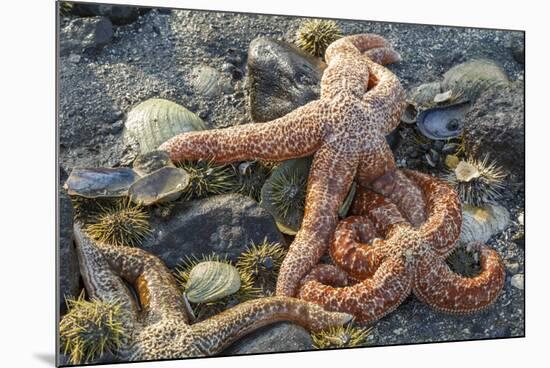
(160, 328)
(361, 101)
(408, 259)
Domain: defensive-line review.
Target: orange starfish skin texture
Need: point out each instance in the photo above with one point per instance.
(391, 257)
(161, 328)
(361, 101)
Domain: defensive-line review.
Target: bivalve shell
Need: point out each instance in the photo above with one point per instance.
(480, 223)
(440, 123)
(211, 280)
(151, 162)
(164, 185)
(100, 182)
(156, 120)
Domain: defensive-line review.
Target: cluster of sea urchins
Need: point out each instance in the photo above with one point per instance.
(90, 328)
(314, 36)
(477, 181)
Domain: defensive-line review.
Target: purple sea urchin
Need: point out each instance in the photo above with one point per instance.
(90, 328)
(314, 36)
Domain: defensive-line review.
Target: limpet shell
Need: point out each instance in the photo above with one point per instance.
(480, 223)
(156, 120)
(100, 182)
(211, 280)
(151, 161)
(440, 123)
(164, 185)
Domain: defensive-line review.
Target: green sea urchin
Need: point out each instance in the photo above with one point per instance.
(207, 178)
(314, 36)
(341, 337)
(121, 224)
(477, 181)
(252, 176)
(90, 328)
(202, 311)
(262, 262)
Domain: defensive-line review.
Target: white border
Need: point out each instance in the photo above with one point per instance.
(27, 184)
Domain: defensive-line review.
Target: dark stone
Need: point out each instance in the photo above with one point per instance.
(517, 47)
(279, 337)
(495, 126)
(118, 14)
(85, 35)
(69, 274)
(223, 224)
(281, 77)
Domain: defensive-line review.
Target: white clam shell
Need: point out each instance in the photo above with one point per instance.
(480, 223)
(211, 280)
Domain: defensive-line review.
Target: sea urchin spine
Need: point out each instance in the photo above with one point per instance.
(314, 36)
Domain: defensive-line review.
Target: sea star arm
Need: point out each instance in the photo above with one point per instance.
(368, 300)
(354, 248)
(385, 98)
(438, 286)
(157, 291)
(101, 281)
(296, 134)
(442, 228)
(330, 178)
(218, 332)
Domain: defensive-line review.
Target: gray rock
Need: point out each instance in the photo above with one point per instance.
(281, 77)
(517, 47)
(69, 273)
(279, 337)
(223, 224)
(495, 126)
(83, 34)
(118, 14)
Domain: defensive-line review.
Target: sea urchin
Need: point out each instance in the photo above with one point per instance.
(477, 181)
(314, 36)
(208, 178)
(341, 337)
(121, 224)
(90, 328)
(262, 261)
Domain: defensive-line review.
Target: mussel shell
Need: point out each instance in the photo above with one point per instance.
(441, 123)
(161, 186)
(151, 161)
(156, 120)
(100, 182)
(480, 223)
(211, 280)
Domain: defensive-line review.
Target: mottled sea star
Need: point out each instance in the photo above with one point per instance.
(361, 102)
(390, 258)
(157, 324)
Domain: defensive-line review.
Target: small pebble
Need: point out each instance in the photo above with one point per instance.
(74, 58)
(512, 267)
(518, 281)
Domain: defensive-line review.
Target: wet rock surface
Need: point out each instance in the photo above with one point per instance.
(85, 34)
(69, 273)
(155, 56)
(281, 78)
(495, 126)
(279, 337)
(223, 224)
(119, 15)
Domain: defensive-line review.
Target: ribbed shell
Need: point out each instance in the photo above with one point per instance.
(156, 120)
(210, 281)
(100, 182)
(480, 223)
(161, 186)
